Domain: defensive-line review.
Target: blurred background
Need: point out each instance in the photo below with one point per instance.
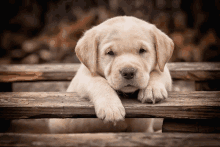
(35, 32)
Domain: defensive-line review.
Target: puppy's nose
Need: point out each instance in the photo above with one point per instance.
(128, 73)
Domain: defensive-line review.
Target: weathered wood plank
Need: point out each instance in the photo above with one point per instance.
(196, 71)
(191, 125)
(191, 66)
(64, 72)
(189, 105)
(110, 139)
(38, 72)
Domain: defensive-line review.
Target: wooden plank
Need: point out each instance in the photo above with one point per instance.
(196, 71)
(191, 125)
(110, 139)
(188, 105)
(38, 72)
(65, 72)
(194, 66)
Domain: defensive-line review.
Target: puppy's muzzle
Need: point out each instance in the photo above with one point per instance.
(128, 73)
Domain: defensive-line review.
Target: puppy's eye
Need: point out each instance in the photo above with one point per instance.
(111, 53)
(141, 51)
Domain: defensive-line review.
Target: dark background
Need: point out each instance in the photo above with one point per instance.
(35, 32)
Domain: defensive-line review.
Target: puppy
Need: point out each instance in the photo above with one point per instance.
(123, 54)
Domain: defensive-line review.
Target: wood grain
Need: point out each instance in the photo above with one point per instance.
(184, 105)
(110, 139)
(38, 72)
(65, 72)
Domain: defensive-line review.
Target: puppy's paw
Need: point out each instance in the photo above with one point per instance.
(153, 94)
(110, 112)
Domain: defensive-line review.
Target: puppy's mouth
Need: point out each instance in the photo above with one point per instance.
(129, 88)
(129, 85)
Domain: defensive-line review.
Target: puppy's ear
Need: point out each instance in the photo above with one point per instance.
(86, 50)
(164, 47)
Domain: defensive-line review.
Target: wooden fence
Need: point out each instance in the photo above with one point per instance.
(191, 118)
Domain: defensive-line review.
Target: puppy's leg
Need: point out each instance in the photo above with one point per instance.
(159, 84)
(107, 104)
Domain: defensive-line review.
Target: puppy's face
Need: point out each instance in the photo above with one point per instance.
(124, 51)
(126, 55)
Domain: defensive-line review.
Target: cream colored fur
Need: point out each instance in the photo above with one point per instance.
(99, 76)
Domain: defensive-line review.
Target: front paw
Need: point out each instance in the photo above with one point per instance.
(110, 111)
(153, 94)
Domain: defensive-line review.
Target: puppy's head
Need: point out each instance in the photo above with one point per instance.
(124, 50)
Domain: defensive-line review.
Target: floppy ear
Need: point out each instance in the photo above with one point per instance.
(86, 50)
(164, 47)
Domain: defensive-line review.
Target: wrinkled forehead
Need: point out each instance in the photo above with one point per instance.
(122, 28)
(125, 35)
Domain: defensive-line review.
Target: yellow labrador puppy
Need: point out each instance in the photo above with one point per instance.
(122, 54)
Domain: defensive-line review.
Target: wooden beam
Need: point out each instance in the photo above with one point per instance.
(38, 72)
(184, 105)
(110, 139)
(196, 71)
(65, 72)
